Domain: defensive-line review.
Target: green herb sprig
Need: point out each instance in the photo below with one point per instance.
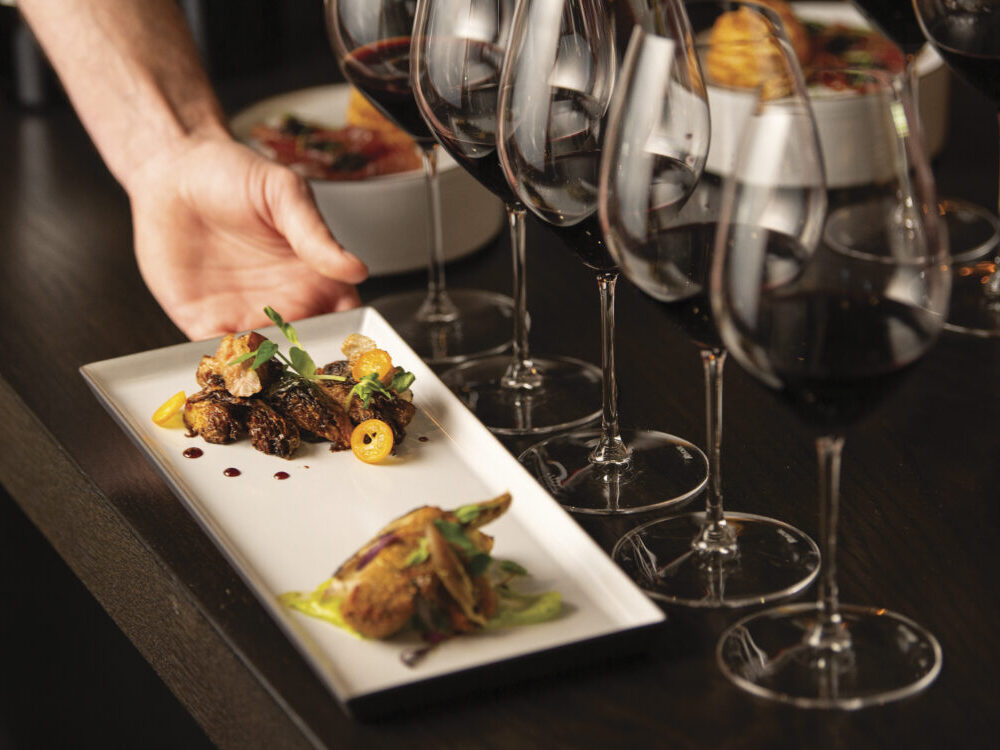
(299, 362)
(298, 359)
(368, 386)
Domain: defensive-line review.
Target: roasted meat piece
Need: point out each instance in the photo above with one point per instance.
(381, 584)
(312, 410)
(271, 432)
(396, 412)
(216, 415)
(239, 379)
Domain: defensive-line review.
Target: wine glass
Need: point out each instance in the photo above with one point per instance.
(830, 307)
(973, 231)
(711, 558)
(966, 34)
(455, 60)
(371, 41)
(556, 83)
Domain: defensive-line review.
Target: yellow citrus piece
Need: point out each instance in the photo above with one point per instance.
(375, 361)
(372, 441)
(355, 345)
(169, 412)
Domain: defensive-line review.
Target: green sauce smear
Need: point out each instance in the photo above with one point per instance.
(320, 605)
(515, 608)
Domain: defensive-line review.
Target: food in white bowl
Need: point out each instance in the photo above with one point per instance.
(324, 153)
(833, 29)
(383, 218)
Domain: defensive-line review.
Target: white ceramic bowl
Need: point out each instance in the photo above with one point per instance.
(840, 129)
(383, 220)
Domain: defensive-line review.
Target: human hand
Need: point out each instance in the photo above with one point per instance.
(220, 232)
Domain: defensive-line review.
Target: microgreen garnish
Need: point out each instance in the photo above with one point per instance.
(454, 534)
(368, 385)
(298, 359)
(512, 568)
(467, 513)
(402, 380)
(299, 362)
(420, 554)
(479, 564)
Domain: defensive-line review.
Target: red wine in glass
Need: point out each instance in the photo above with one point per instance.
(585, 237)
(828, 384)
(896, 20)
(969, 41)
(382, 71)
(682, 253)
(468, 133)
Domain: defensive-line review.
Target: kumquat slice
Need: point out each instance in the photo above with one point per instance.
(355, 345)
(375, 361)
(168, 414)
(372, 441)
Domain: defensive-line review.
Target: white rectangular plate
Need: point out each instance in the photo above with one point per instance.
(291, 534)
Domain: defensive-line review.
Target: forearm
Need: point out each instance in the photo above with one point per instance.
(133, 74)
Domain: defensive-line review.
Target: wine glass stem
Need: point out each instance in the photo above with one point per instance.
(437, 308)
(829, 633)
(521, 372)
(912, 81)
(716, 538)
(610, 449)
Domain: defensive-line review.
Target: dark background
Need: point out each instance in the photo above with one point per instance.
(66, 670)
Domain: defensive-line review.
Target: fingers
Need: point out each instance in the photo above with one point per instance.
(295, 215)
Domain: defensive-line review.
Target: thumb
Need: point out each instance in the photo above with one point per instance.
(295, 215)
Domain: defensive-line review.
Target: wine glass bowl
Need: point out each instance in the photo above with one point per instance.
(829, 298)
(371, 41)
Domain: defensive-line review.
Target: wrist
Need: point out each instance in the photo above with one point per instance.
(158, 157)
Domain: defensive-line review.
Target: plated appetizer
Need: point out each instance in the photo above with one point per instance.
(368, 145)
(818, 46)
(430, 571)
(250, 389)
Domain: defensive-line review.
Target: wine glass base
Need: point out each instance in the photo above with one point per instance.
(973, 311)
(890, 657)
(663, 472)
(974, 235)
(560, 399)
(973, 231)
(774, 561)
(481, 324)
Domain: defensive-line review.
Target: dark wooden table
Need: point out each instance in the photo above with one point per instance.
(920, 522)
